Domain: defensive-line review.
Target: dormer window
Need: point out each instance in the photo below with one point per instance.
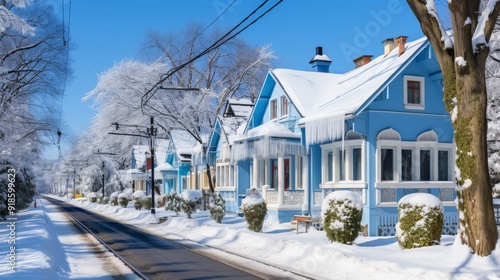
(284, 106)
(273, 109)
(414, 92)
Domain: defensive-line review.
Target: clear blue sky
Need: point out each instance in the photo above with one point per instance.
(109, 31)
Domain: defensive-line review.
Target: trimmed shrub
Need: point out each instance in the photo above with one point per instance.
(420, 222)
(137, 204)
(105, 200)
(92, 197)
(254, 210)
(146, 202)
(173, 202)
(113, 198)
(191, 200)
(341, 214)
(138, 195)
(217, 207)
(123, 200)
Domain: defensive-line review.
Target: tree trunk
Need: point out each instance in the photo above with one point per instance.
(210, 182)
(465, 95)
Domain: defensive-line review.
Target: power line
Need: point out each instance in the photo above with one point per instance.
(145, 98)
(66, 62)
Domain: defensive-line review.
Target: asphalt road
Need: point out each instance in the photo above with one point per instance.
(155, 257)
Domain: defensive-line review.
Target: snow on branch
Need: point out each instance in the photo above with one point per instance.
(479, 38)
(9, 20)
(432, 11)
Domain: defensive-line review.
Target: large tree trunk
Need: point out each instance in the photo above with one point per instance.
(465, 92)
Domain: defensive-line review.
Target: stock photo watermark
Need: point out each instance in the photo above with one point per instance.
(363, 35)
(11, 219)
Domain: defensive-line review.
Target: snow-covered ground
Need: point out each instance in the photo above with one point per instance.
(49, 249)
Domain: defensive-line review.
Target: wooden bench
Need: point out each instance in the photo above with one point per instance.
(298, 220)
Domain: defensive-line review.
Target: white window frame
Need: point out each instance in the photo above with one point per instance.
(413, 106)
(335, 148)
(275, 101)
(225, 176)
(282, 113)
(416, 147)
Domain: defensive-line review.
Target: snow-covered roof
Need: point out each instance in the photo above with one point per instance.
(350, 91)
(271, 129)
(238, 108)
(139, 152)
(306, 89)
(325, 99)
(232, 127)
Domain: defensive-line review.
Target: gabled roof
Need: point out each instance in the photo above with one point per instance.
(238, 108)
(352, 91)
(183, 143)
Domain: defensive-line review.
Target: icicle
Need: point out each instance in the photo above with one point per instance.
(324, 129)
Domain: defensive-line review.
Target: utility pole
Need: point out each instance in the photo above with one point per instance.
(152, 133)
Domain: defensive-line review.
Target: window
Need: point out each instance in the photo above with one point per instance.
(329, 166)
(387, 164)
(341, 165)
(284, 106)
(356, 164)
(443, 166)
(425, 165)
(273, 109)
(406, 165)
(414, 92)
(299, 172)
(413, 96)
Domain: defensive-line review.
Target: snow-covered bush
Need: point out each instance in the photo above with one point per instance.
(496, 191)
(173, 202)
(137, 204)
(191, 200)
(146, 202)
(341, 214)
(254, 210)
(217, 207)
(420, 221)
(92, 197)
(138, 195)
(113, 198)
(105, 200)
(123, 200)
(160, 200)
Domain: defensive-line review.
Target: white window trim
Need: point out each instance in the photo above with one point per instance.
(416, 147)
(282, 116)
(411, 106)
(335, 147)
(225, 175)
(271, 109)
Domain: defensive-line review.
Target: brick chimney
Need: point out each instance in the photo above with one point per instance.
(362, 60)
(321, 62)
(389, 45)
(401, 41)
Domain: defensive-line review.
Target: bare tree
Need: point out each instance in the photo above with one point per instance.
(32, 62)
(189, 100)
(462, 56)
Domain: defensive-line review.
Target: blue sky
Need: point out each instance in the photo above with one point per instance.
(106, 32)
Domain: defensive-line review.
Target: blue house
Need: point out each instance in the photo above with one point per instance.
(380, 130)
(227, 127)
(174, 171)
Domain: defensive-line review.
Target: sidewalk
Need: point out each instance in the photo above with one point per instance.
(47, 246)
